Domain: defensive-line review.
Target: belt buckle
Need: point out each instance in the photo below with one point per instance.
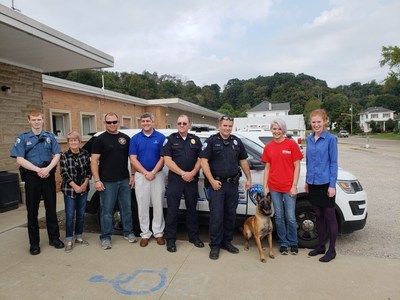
(230, 180)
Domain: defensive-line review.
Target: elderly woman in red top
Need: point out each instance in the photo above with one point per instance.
(75, 173)
(282, 169)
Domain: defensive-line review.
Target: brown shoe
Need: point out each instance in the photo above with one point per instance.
(144, 242)
(160, 240)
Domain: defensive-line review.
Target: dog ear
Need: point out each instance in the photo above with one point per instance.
(268, 196)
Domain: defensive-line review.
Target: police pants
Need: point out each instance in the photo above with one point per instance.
(36, 188)
(223, 204)
(175, 189)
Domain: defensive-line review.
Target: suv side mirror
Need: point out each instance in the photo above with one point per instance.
(256, 164)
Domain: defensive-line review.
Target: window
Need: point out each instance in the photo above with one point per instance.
(374, 116)
(386, 115)
(88, 124)
(126, 122)
(60, 123)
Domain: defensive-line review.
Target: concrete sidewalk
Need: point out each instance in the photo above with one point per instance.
(128, 271)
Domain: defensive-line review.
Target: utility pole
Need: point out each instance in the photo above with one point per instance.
(351, 118)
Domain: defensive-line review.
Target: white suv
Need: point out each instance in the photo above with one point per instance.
(351, 199)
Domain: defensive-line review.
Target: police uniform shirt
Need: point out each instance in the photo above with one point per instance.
(184, 152)
(223, 155)
(43, 147)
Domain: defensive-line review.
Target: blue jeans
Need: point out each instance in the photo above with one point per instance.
(74, 208)
(115, 190)
(285, 218)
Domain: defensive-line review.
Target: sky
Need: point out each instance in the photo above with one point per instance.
(213, 41)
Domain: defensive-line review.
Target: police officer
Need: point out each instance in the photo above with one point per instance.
(221, 155)
(181, 155)
(38, 152)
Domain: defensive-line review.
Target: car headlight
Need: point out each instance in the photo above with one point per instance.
(350, 186)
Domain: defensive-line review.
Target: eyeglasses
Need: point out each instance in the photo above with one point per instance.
(182, 123)
(112, 122)
(226, 118)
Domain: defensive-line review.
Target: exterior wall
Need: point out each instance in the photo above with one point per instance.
(74, 104)
(15, 104)
(376, 116)
(273, 113)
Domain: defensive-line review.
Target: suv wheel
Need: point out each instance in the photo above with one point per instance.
(307, 233)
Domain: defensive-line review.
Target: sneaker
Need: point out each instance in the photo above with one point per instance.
(283, 250)
(131, 238)
(68, 247)
(294, 250)
(106, 244)
(81, 241)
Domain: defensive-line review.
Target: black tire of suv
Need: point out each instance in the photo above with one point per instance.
(307, 233)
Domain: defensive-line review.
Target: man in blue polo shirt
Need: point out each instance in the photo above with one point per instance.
(144, 152)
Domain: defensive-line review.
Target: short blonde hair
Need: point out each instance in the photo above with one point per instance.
(74, 135)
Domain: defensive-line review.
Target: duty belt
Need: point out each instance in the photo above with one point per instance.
(229, 179)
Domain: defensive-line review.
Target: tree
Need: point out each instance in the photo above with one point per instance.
(391, 57)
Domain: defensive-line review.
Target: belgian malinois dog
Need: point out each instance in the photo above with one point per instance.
(260, 225)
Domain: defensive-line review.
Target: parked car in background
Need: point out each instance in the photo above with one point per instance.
(351, 199)
(343, 134)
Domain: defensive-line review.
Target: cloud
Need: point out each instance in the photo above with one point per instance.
(212, 41)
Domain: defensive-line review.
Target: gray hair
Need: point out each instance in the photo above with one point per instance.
(147, 115)
(280, 123)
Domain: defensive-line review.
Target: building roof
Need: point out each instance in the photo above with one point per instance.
(183, 105)
(268, 106)
(375, 110)
(32, 45)
(79, 88)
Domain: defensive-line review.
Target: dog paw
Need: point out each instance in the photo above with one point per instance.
(271, 256)
(246, 248)
(263, 260)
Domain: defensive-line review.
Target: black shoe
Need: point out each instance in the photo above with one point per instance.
(171, 247)
(34, 250)
(294, 250)
(214, 253)
(57, 244)
(283, 250)
(316, 251)
(197, 243)
(230, 248)
(328, 256)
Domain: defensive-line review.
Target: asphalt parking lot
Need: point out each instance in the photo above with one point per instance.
(376, 165)
(367, 265)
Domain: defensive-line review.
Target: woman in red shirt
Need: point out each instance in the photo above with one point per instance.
(282, 169)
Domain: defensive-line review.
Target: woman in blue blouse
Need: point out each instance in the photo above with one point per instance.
(322, 170)
(75, 173)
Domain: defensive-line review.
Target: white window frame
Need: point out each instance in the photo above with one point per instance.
(92, 123)
(65, 126)
(126, 118)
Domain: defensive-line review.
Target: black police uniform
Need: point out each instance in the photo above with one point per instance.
(39, 150)
(184, 152)
(224, 158)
